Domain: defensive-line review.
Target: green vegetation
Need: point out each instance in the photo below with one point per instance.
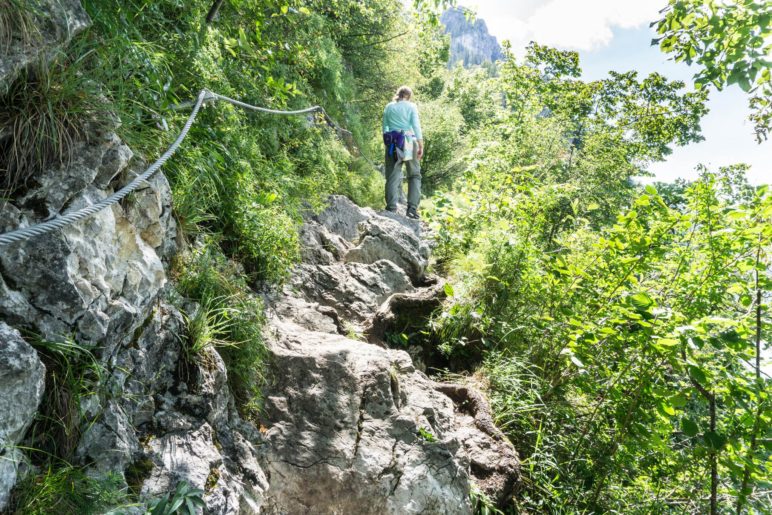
(17, 24)
(481, 503)
(68, 489)
(185, 500)
(619, 327)
(72, 377)
(47, 111)
(619, 333)
(731, 43)
(229, 319)
(426, 435)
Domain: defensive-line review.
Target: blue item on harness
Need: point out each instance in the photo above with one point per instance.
(394, 140)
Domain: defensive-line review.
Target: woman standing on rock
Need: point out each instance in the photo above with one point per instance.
(401, 134)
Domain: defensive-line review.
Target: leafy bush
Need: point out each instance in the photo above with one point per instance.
(442, 124)
(613, 329)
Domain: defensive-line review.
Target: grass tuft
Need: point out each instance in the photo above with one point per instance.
(47, 111)
(230, 318)
(72, 373)
(17, 24)
(68, 489)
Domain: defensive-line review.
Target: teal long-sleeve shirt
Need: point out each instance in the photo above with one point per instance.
(402, 116)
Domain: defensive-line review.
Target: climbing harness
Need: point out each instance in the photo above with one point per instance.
(59, 222)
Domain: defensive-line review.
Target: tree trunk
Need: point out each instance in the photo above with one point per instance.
(213, 11)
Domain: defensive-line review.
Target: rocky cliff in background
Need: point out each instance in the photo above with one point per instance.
(470, 42)
(347, 427)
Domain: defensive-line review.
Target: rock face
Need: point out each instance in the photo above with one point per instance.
(470, 42)
(157, 417)
(96, 278)
(353, 260)
(22, 380)
(195, 434)
(353, 427)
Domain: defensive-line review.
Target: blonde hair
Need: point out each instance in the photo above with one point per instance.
(403, 93)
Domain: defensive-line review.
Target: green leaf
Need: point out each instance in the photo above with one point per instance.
(665, 409)
(689, 427)
(651, 190)
(714, 440)
(678, 400)
(641, 301)
(176, 503)
(697, 374)
(448, 289)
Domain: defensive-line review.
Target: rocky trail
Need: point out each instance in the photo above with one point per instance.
(352, 426)
(348, 425)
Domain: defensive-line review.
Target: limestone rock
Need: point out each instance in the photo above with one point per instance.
(95, 278)
(320, 246)
(96, 162)
(198, 438)
(384, 238)
(354, 259)
(354, 428)
(139, 372)
(342, 217)
(353, 290)
(22, 381)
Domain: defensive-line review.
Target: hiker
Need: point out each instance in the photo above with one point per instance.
(404, 146)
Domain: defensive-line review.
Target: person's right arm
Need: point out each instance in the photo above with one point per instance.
(415, 123)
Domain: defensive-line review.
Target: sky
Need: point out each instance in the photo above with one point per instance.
(615, 35)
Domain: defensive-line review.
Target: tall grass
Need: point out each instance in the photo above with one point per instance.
(230, 319)
(72, 375)
(17, 24)
(47, 110)
(68, 490)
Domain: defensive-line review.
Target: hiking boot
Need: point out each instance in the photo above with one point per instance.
(412, 214)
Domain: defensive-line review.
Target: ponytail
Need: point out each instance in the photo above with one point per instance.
(403, 93)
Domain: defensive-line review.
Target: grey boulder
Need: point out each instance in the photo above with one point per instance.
(22, 381)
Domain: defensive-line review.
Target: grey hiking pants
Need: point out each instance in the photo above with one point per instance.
(394, 182)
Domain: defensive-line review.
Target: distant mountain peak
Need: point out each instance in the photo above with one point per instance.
(470, 42)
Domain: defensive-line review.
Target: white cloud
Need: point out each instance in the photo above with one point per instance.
(569, 24)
